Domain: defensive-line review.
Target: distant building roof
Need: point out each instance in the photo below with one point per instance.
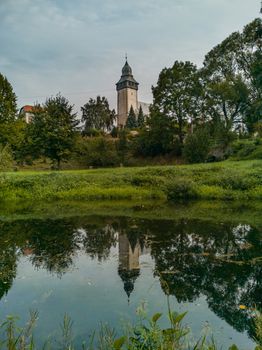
(27, 108)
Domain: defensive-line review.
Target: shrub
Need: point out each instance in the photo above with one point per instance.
(197, 146)
(6, 159)
(97, 151)
(247, 149)
(181, 190)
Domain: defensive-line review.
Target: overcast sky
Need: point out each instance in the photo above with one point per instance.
(77, 47)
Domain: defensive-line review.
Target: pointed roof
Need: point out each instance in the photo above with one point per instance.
(126, 70)
(127, 79)
(129, 277)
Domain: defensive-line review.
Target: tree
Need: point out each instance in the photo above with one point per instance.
(226, 100)
(197, 146)
(253, 113)
(53, 129)
(96, 114)
(177, 94)
(232, 63)
(122, 146)
(140, 118)
(131, 122)
(6, 159)
(235, 55)
(8, 109)
(157, 138)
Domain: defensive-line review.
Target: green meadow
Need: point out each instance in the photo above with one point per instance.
(229, 180)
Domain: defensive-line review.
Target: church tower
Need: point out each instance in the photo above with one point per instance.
(126, 88)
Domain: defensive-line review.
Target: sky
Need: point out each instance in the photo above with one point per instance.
(77, 47)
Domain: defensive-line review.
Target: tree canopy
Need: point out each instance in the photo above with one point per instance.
(96, 114)
(176, 94)
(131, 122)
(53, 129)
(8, 109)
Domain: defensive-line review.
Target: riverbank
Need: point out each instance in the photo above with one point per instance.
(227, 180)
(146, 333)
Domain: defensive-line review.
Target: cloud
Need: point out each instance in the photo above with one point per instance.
(77, 47)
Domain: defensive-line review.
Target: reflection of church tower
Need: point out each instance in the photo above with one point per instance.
(127, 88)
(129, 268)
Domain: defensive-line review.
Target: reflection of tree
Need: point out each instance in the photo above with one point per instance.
(214, 260)
(7, 268)
(54, 244)
(8, 257)
(98, 241)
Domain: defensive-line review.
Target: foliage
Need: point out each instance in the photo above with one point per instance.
(181, 190)
(131, 122)
(7, 110)
(6, 159)
(254, 112)
(7, 101)
(96, 151)
(177, 94)
(258, 128)
(122, 146)
(149, 142)
(140, 118)
(147, 334)
(226, 100)
(53, 129)
(96, 114)
(197, 146)
(234, 64)
(246, 149)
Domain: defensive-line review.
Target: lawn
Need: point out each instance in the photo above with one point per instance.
(229, 180)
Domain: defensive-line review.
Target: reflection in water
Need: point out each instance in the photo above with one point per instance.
(129, 268)
(191, 258)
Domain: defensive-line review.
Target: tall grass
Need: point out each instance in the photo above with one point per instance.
(145, 334)
(223, 181)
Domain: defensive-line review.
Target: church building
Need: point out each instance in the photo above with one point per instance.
(127, 96)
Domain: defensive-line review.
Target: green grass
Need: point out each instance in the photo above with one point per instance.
(229, 180)
(145, 334)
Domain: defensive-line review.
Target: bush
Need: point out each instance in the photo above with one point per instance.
(181, 190)
(6, 159)
(97, 152)
(197, 146)
(247, 149)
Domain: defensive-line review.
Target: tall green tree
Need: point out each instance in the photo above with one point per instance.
(235, 54)
(131, 122)
(157, 138)
(53, 129)
(176, 94)
(229, 66)
(8, 110)
(226, 100)
(253, 114)
(140, 118)
(96, 114)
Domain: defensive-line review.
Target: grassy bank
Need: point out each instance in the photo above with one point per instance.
(145, 334)
(224, 181)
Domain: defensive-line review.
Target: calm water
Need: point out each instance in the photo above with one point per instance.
(100, 269)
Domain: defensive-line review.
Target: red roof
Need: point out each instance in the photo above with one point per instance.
(27, 108)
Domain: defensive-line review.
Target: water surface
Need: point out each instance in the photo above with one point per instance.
(100, 269)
